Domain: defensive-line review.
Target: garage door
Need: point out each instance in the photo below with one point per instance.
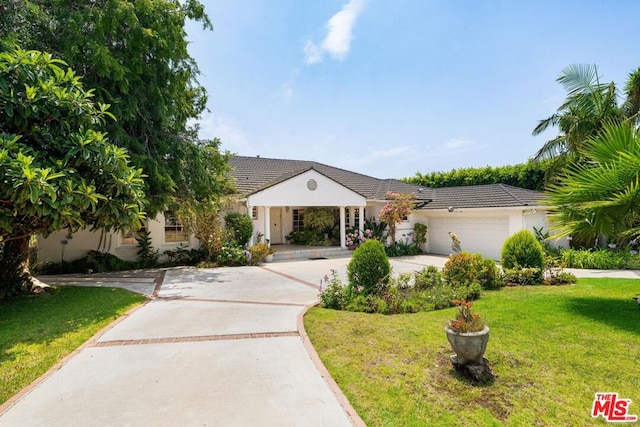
(484, 235)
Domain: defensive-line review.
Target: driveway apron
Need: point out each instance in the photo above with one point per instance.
(216, 347)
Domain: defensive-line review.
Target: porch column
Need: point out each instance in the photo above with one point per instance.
(343, 234)
(267, 224)
(361, 218)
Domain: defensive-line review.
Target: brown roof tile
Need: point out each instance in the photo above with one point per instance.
(483, 196)
(253, 174)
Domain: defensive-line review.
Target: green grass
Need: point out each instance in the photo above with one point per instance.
(552, 349)
(38, 331)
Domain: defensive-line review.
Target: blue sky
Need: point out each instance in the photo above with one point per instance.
(392, 87)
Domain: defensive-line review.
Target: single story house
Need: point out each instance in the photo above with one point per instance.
(275, 193)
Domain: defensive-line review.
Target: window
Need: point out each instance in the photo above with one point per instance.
(298, 219)
(129, 238)
(356, 217)
(254, 213)
(347, 217)
(173, 229)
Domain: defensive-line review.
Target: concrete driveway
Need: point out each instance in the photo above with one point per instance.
(216, 347)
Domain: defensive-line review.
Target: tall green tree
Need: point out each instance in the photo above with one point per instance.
(57, 167)
(601, 196)
(134, 54)
(589, 106)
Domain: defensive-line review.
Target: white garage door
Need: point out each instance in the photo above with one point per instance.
(484, 235)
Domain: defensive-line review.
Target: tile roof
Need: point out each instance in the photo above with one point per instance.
(483, 196)
(253, 174)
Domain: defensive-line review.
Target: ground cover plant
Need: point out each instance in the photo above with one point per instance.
(601, 259)
(552, 349)
(38, 331)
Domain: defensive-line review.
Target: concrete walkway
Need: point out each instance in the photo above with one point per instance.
(216, 347)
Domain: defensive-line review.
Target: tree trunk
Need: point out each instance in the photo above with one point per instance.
(14, 264)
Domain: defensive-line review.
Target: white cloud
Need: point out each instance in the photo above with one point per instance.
(381, 154)
(455, 145)
(340, 26)
(337, 42)
(312, 53)
(230, 133)
(287, 92)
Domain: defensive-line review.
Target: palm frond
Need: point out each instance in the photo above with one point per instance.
(632, 91)
(545, 124)
(579, 79)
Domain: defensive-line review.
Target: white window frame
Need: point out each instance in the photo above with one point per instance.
(131, 234)
(172, 222)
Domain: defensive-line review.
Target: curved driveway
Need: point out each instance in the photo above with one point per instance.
(214, 347)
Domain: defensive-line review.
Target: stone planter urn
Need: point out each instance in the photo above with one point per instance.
(469, 346)
(268, 258)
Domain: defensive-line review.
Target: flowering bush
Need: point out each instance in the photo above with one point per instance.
(232, 254)
(257, 253)
(399, 207)
(355, 238)
(334, 295)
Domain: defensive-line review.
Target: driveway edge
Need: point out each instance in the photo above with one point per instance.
(58, 365)
(324, 373)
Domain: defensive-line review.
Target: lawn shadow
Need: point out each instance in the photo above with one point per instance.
(619, 313)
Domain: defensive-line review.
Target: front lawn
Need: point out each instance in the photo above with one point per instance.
(38, 331)
(552, 349)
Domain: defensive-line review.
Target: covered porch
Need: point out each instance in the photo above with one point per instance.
(278, 209)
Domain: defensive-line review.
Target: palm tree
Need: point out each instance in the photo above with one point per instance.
(631, 106)
(600, 196)
(589, 105)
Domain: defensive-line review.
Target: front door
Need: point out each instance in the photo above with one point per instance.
(276, 226)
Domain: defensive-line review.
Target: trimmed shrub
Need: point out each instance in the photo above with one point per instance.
(369, 268)
(522, 250)
(239, 226)
(465, 268)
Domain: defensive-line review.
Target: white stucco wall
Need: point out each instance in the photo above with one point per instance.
(83, 241)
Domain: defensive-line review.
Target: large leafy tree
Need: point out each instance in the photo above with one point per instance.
(601, 196)
(57, 166)
(135, 56)
(590, 105)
